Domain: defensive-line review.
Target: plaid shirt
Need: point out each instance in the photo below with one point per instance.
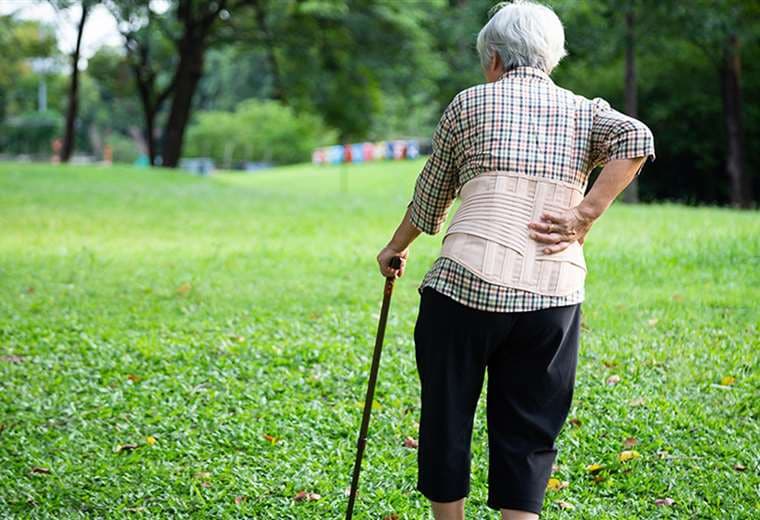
(524, 123)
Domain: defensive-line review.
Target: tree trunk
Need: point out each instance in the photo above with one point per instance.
(741, 186)
(149, 115)
(71, 112)
(279, 87)
(188, 75)
(631, 193)
(150, 135)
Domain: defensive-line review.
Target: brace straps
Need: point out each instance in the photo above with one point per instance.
(489, 233)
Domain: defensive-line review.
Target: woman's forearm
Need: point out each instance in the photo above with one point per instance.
(612, 180)
(405, 234)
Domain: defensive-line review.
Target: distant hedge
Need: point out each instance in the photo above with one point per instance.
(256, 131)
(30, 132)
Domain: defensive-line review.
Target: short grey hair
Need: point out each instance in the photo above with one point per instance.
(523, 34)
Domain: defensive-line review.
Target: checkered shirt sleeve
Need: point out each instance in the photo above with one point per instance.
(436, 185)
(615, 135)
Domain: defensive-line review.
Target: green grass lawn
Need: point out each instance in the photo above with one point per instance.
(176, 346)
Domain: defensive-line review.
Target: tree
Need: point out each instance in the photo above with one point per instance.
(362, 64)
(149, 56)
(718, 28)
(69, 135)
(110, 106)
(191, 27)
(197, 21)
(631, 193)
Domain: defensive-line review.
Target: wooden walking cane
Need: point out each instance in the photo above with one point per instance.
(389, 281)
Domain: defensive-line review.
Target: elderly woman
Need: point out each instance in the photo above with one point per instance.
(505, 293)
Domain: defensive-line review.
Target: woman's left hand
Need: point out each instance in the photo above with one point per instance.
(558, 231)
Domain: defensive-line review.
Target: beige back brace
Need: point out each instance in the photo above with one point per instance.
(489, 233)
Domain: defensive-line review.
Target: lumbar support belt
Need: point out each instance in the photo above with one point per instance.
(489, 233)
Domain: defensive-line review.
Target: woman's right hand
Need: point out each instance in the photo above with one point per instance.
(384, 258)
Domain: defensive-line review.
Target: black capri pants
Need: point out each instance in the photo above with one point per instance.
(530, 358)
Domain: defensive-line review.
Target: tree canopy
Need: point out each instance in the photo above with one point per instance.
(380, 69)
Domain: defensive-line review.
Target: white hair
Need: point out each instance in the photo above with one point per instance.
(523, 34)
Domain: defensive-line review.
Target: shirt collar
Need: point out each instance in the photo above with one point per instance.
(526, 72)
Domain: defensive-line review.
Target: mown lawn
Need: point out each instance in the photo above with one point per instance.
(176, 346)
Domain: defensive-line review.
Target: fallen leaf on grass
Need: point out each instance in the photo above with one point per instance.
(562, 504)
(306, 496)
(575, 422)
(613, 379)
(677, 297)
(627, 455)
(594, 468)
(151, 440)
(727, 380)
(271, 439)
(40, 471)
(410, 443)
(240, 499)
(125, 447)
(204, 477)
(11, 358)
(133, 378)
(555, 484)
(740, 467)
(30, 290)
(630, 442)
(392, 516)
(184, 288)
(639, 401)
(664, 502)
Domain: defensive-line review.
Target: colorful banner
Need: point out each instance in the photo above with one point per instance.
(398, 149)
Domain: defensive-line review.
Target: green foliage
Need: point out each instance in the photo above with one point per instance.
(679, 47)
(20, 42)
(124, 149)
(374, 69)
(239, 73)
(455, 28)
(256, 131)
(31, 132)
(344, 59)
(116, 106)
(210, 312)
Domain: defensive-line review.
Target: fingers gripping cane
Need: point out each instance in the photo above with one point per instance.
(395, 264)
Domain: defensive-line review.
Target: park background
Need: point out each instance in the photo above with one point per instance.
(175, 345)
